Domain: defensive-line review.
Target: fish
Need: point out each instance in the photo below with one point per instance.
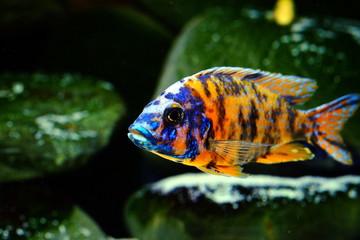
(222, 118)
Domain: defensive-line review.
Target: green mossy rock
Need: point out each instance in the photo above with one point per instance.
(324, 49)
(203, 206)
(119, 45)
(177, 13)
(31, 211)
(52, 123)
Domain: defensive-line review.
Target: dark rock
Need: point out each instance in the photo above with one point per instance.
(203, 206)
(34, 211)
(53, 123)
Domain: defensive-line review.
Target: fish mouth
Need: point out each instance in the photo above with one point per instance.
(142, 138)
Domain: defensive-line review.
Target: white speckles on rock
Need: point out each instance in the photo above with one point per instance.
(297, 37)
(265, 189)
(325, 33)
(20, 232)
(354, 31)
(53, 126)
(85, 232)
(252, 13)
(285, 39)
(62, 229)
(49, 235)
(352, 193)
(5, 234)
(16, 89)
(303, 24)
(350, 27)
(66, 80)
(309, 36)
(80, 227)
(107, 86)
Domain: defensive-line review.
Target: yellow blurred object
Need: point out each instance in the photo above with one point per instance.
(284, 12)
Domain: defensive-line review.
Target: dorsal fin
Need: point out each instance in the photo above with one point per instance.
(296, 90)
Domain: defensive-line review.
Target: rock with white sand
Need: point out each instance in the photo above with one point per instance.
(203, 206)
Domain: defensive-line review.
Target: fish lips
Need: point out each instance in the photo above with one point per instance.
(142, 138)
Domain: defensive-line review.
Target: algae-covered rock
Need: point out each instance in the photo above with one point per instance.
(202, 206)
(32, 211)
(52, 123)
(324, 49)
(178, 12)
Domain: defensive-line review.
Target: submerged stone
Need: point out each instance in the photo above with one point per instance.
(178, 12)
(52, 123)
(203, 206)
(31, 211)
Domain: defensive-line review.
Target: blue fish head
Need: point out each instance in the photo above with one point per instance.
(173, 126)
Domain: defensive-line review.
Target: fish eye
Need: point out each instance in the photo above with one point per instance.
(173, 114)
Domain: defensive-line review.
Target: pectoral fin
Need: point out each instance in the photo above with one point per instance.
(288, 152)
(238, 152)
(233, 171)
(234, 153)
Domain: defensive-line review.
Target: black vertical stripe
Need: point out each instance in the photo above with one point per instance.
(257, 94)
(254, 115)
(273, 118)
(217, 87)
(232, 131)
(267, 132)
(291, 121)
(222, 112)
(204, 82)
(242, 123)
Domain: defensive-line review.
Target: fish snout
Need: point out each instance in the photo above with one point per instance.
(141, 137)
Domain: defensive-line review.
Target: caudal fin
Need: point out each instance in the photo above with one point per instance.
(329, 119)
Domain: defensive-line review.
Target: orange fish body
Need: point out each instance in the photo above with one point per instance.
(221, 118)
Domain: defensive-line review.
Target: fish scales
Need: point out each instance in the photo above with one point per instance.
(229, 101)
(247, 105)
